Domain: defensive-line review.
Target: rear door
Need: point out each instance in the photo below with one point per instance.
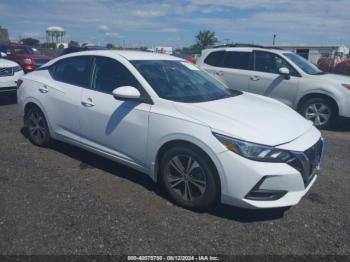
(266, 79)
(236, 70)
(62, 95)
(231, 67)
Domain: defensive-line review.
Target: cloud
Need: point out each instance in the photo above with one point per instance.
(312, 21)
(103, 28)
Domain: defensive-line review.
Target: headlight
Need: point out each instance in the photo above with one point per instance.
(254, 151)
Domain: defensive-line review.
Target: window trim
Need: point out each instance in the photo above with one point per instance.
(236, 51)
(263, 51)
(221, 60)
(66, 58)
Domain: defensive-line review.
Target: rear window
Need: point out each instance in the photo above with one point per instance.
(215, 58)
(238, 60)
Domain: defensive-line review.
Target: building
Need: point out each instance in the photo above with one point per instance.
(314, 52)
(4, 35)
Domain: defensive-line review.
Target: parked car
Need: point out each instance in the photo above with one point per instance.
(27, 57)
(326, 64)
(73, 49)
(10, 72)
(167, 118)
(282, 75)
(343, 67)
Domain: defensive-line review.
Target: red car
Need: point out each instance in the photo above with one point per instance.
(343, 68)
(27, 57)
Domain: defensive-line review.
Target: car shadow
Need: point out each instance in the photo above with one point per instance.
(343, 125)
(8, 99)
(90, 160)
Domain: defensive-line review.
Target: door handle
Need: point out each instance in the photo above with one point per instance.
(220, 73)
(43, 89)
(254, 78)
(87, 103)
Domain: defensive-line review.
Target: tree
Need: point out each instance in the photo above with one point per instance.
(73, 43)
(110, 46)
(205, 38)
(30, 41)
(48, 45)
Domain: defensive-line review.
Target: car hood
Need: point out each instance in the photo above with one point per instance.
(7, 63)
(249, 117)
(341, 79)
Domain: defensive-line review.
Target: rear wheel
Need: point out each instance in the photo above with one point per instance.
(320, 111)
(36, 125)
(188, 178)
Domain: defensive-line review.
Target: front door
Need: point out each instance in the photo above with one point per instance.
(266, 79)
(116, 127)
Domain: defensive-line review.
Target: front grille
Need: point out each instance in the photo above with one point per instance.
(6, 71)
(308, 162)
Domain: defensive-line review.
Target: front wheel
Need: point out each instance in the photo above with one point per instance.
(320, 111)
(189, 178)
(36, 125)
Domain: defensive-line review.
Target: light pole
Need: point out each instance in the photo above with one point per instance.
(274, 39)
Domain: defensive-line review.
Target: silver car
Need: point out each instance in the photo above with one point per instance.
(283, 75)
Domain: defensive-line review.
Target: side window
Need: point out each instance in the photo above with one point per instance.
(271, 63)
(110, 74)
(215, 58)
(238, 60)
(74, 71)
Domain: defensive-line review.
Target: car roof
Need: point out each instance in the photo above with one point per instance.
(246, 49)
(127, 54)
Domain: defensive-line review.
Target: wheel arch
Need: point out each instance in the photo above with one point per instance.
(308, 96)
(181, 142)
(32, 102)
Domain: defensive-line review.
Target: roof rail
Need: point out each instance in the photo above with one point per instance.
(243, 45)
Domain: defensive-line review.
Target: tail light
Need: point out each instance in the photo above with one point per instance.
(19, 83)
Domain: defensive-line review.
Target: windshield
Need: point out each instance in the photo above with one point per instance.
(181, 81)
(25, 50)
(303, 64)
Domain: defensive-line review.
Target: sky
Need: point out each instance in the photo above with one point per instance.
(176, 22)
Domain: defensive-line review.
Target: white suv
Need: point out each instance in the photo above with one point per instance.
(282, 75)
(10, 72)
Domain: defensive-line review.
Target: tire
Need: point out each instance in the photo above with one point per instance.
(36, 125)
(320, 111)
(192, 186)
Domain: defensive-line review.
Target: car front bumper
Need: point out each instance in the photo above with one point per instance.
(9, 83)
(344, 107)
(252, 184)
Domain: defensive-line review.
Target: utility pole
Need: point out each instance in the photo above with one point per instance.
(274, 39)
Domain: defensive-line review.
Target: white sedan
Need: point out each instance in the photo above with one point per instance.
(10, 72)
(174, 122)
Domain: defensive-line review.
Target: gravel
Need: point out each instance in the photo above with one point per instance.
(64, 200)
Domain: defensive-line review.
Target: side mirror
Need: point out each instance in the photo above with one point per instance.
(126, 93)
(285, 72)
(2, 54)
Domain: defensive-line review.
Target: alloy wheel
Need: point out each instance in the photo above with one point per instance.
(318, 113)
(36, 127)
(186, 177)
